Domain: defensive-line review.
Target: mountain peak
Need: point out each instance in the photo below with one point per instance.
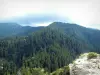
(59, 23)
(64, 25)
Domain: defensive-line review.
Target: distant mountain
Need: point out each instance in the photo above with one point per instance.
(14, 29)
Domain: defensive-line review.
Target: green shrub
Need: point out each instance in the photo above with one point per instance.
(62, 71)
(92, 55)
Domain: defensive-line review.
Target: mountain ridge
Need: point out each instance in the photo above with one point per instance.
(14, 29)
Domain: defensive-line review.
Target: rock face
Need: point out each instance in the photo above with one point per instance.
(85, 66)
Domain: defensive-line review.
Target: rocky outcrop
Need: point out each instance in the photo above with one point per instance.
(85, 66)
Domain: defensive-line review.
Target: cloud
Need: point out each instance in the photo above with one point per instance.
(83, 12)
(37, 19)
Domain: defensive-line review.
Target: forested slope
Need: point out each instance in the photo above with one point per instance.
(50, 48)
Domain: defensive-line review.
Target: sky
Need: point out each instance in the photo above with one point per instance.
(44, 12)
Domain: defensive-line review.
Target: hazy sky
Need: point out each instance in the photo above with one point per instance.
(43, 12)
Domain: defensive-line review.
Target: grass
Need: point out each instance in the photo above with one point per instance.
(92, 55)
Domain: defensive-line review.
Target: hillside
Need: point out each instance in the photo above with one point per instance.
(50, 48)
(88, 36)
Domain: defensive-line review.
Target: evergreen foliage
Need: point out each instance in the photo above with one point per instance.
(46, 50)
